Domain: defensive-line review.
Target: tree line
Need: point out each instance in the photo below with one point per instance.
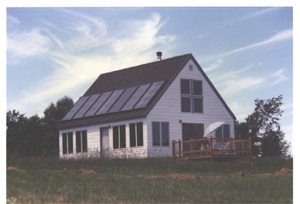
(36, 136)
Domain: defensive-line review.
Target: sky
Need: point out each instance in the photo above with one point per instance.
(246, 52)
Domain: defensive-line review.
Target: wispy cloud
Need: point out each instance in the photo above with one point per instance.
(214, 65)
(201, 36)
(258, 13)
(279, 76)
(280, 36)
(27, 43)
(12, 21)
(74, 70)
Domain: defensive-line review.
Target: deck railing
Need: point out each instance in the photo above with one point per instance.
(211, 147)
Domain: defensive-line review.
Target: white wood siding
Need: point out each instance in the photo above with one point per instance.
(93, 142)
(168, 108)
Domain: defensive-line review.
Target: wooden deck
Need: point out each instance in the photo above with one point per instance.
(211, 148)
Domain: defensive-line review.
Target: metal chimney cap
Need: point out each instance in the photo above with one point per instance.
(158, 54)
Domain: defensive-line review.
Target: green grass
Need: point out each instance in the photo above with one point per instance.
(50, 180)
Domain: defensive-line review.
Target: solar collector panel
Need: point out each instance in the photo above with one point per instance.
(98, 104)
(135, 97)
(110, 101)
(149, 94)
(122, 100)
(86, 106)
(75, 108)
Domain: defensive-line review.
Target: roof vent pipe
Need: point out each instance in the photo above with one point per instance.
(158, 54)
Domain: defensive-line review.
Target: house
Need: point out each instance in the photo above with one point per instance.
(138, 111)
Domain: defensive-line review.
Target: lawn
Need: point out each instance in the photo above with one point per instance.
(165, 180)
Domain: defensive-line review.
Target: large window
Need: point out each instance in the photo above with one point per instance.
(119, 137)
(67, 142)
(81, 141)
(223, 132)
(160, 133)
(136, 134)
(191, 96)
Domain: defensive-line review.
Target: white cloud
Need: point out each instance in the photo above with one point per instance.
(201, 36)
(75, 71)
(214, 65)
(280, 77)
(12, 21)
(258, 13)
(241, 84)
(280, 36)
(28, 43)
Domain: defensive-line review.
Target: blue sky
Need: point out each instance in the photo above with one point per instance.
(246, 52)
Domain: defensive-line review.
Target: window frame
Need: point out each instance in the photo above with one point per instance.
(161, 134)
(119, 136)
(67, 142)
(223, 131)
(136, 140)
(192, 96)
(81, 141)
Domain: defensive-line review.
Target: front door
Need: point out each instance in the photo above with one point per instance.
(192, 130)
(104, 140)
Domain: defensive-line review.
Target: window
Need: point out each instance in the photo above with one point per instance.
(119, 137)
(191, 96)
(136, 134)
(160, 133)
(81, 141)
(223, 132)
(67, 142)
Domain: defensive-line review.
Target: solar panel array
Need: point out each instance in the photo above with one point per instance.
(114, 101)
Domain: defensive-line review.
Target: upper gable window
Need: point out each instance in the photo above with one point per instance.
(191, 96)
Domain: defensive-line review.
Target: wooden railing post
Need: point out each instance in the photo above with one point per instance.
(179, 143)
(191, 145)
(173, 148)
(211, 145)
(250, 145)
(230, 145)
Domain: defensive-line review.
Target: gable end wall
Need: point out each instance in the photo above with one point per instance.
(168, 109)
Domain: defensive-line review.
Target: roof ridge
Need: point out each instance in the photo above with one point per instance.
(171, 58)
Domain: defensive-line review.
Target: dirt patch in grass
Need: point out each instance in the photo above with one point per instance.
(11, 168)
(284, 171)
(86, 171)
(240, 174)
(171, 176)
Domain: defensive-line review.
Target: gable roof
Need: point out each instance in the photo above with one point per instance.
(164, 70)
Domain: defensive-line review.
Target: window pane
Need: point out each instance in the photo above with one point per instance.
(197, 131)
(78, 142)
(197, 87)
(140, 137)
(198, 105)
(219, 133)
(64, 143)
(156, 134)
(132, 135)
(226, 131)
(116, 137)
(84, 141)
(70, 142)
(185, 86)
(185, 104)
(122, 136)
(165, 134)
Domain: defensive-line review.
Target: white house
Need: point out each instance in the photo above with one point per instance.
(138, 112)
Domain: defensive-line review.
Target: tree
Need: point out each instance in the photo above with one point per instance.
(34, 135)
(52, 115)
(264, 128)
(23, 134)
